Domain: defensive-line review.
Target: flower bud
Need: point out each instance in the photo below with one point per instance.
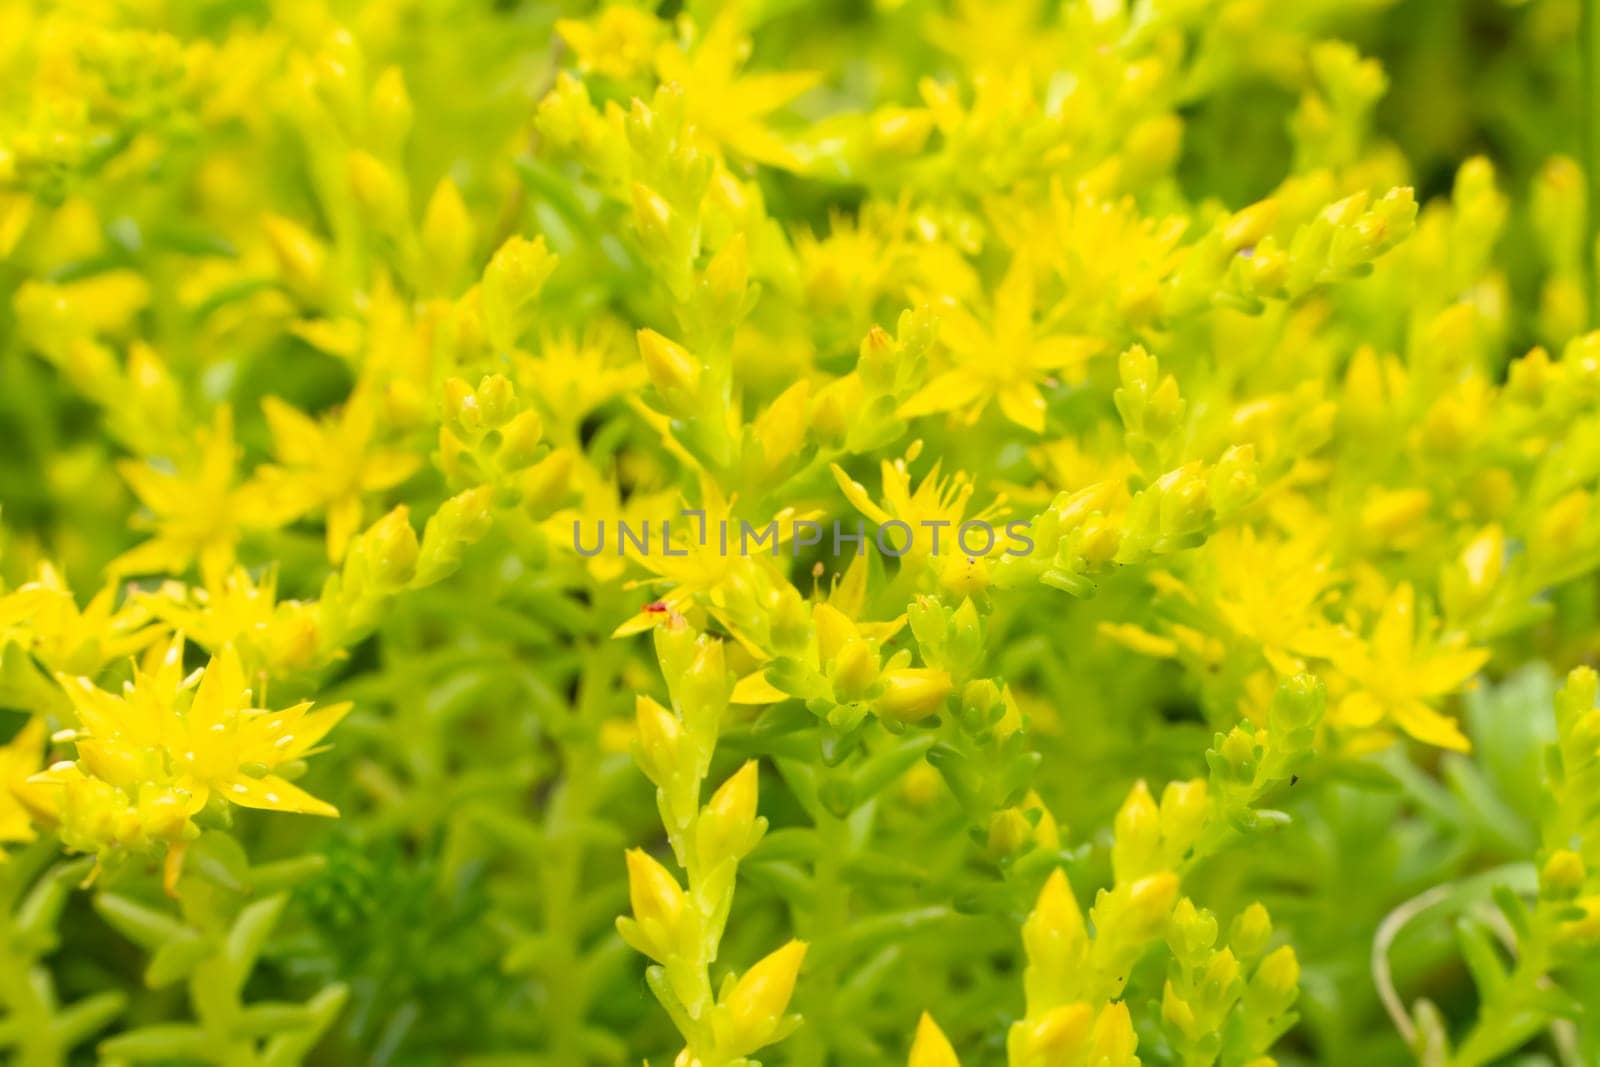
(1268, 268)
(913, 693)
(1056, 1037)
(1177, 1012)
(757, 1002)
(302, 259)
(379, 192)
(1136, 848)
(391, 112)
(1097, 540)
(1234, 480)
(1296, 710)
(1276, 982)
(727, 278)
(931, 1048)
(660, 737)
(1137, 370)
(447, 238)
(1149, 904)
(652, 219)
(1191, 932)
(1484, 558)
(704, 688)
(1185, 808)
(1528, 378)
(1559, 528)
(1152, 146)
(1046, 833)
(1164, 408)
(465, 517)
(1009, 832)
(658, 905)
(497, 400)
(672, 369)
(1235, 758)
(781, 428)
(1250, 932)
(982, 704)
(1221, 972)
(511, 282)
(390, 548)
(728, 825)
(1054, 931)
(1184, 500)
(521, 441)
(1247, 227)
(1562, 875)
(462, 415)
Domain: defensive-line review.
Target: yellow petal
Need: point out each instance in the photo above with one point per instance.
(757, 94)
(1430, 727)
(1397, 626)
(344, 519)
(1360, 709)
(1023, 404)
(857, 494)
(222, 693)
(755, 689)
(931, 1048)
(950, 390)
(272, 793)
(296, 437)
(1448, 670)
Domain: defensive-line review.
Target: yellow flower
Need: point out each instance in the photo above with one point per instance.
(1399, 671)
(1111, 258)
(936, 521)
(328, 466)
(862, 258)
(988, 35)
(717, 560)
(1004, 360)
(242, 612)
(22, 802)
(1272, 592)
(196, 512)
(726, 107)
(67, 638)
(618, 42)
(572, 372)
(158, 739)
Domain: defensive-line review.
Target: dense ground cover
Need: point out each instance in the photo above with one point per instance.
(813, 533)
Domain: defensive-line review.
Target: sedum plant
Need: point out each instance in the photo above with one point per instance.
(747, 532)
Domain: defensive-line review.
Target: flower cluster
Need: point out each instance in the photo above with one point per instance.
(1123, 472)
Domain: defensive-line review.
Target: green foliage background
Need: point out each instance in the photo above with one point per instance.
(463, 905)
